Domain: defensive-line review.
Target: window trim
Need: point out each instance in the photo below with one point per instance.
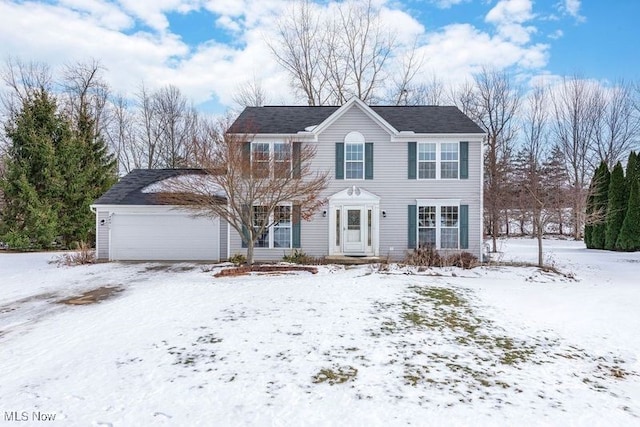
(438, 204)
(438, 161)
(346, 161)
(272, 157)
(270, 230)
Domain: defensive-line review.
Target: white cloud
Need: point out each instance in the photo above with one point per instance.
(510, 11)
(572, 7)
(556, 34)
(78, 30)
(446, 4)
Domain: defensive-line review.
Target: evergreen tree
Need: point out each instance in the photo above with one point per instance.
(32, 179)
(89, 172)
(629, 237)
(555, 179)
(616, 208)
(54, 172)
(600, 207)
(632, 170)
(591, 201)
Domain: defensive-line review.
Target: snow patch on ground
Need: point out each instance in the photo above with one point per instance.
(364, 345)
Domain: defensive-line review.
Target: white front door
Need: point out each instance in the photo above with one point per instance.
(353, 231)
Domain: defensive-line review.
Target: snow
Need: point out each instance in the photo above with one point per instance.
(493, 345)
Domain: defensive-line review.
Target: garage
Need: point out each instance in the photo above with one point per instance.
(164, 237)
(133, 222)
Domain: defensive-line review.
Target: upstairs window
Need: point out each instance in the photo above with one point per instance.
(438, 160)
(281, 159)
(427, 160)
(354, 157)
(260, 159)
(354, 160)
(449, 160)
(271, 159)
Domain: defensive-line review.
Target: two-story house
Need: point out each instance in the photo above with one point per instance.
(400, 177)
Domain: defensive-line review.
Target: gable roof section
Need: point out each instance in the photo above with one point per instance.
(128, 191)
(423, 119)
(279, 119)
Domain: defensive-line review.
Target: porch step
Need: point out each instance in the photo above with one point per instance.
(352, 260)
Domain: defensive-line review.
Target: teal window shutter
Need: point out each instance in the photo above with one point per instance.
(368, 160)
(339, 160)
(297, 167)
(245, 232)
(464, 226)
(295, 230)
(464, 160)
(412, 219)
(412, 166)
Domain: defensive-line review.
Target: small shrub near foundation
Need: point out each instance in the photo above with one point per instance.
(238, 259)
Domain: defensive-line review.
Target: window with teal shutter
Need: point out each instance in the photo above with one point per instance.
(464, 160)
(368, 160)
(412, 167)
(411, 221)
(464, 226)
(339, 160)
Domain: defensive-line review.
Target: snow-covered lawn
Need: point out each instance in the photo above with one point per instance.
(349, 346)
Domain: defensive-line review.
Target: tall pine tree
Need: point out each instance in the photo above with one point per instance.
(617, 207)
(629, 236)
(54, 171)
(32, 180)
(600, 207)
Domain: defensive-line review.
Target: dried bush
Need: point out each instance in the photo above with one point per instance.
(84, 255)
(424, 257)
(429, 257)
(462, 259)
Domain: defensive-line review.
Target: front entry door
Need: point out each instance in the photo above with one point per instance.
(353, 232)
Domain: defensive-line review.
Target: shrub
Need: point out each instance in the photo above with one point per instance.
(463, 260)
(297, 257)
(424, 257)
(84, 255)
(238, 259)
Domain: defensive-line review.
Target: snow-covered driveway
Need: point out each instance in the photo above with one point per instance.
(348, 346)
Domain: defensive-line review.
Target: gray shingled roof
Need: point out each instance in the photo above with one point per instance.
(292, 119)
(128, 191)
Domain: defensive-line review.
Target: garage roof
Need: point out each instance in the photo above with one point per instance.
(128, 191)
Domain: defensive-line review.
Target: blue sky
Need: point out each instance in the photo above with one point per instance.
(209, 47)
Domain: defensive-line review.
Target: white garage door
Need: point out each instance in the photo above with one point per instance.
(169, 237)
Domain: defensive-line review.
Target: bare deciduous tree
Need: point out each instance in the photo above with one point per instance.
(250, 94)
(23, 80)
(332, 57)
(120, 133)
(254, 195)
(617, 127)
(574, 118)
(493, 106)
(86, 94)
(302, 37)
(535, 145)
